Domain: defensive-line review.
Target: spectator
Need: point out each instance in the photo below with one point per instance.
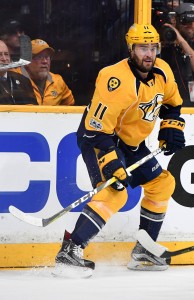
(14, 88)
(180, 54)
(10, 33)
(49, 88)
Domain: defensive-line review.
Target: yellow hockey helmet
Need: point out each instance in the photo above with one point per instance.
(142, 34)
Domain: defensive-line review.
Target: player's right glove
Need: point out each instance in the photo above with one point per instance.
(171, 135)
(111, 165)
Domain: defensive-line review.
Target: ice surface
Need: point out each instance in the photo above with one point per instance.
(107, 283)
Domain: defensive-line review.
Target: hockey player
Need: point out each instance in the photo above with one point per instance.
(128, 98)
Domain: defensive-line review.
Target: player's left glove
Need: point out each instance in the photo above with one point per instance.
(171, 134)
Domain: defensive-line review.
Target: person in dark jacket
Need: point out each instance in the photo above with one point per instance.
(14, 88)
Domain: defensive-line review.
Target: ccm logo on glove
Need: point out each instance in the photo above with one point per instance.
(173, 124)
(171, 134)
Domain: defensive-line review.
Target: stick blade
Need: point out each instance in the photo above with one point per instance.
(25, 218)
(146, 241)
(15, 64)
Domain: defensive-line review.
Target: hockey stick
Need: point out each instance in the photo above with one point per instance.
(44, 222)
(156, 249)
(14, 64)
(25, 54)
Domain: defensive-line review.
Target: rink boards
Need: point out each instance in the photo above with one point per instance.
(42, 171)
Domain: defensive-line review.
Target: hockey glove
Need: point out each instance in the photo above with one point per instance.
(111, 165)
(171, 134)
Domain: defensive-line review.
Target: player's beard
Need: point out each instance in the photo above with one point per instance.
(141, 64)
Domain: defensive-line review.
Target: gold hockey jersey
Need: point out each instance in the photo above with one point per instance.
(125, 104)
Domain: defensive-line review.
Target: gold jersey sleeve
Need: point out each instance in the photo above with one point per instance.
(127, 106)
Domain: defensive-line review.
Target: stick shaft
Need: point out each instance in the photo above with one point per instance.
(99, 188)
(169, 254)
(44, 222)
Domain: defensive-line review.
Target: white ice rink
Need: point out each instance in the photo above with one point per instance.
(107, 283)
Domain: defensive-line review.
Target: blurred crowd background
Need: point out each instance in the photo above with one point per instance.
(86, 34)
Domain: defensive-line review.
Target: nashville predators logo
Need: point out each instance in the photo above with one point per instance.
(152, 108)
(113, 84)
